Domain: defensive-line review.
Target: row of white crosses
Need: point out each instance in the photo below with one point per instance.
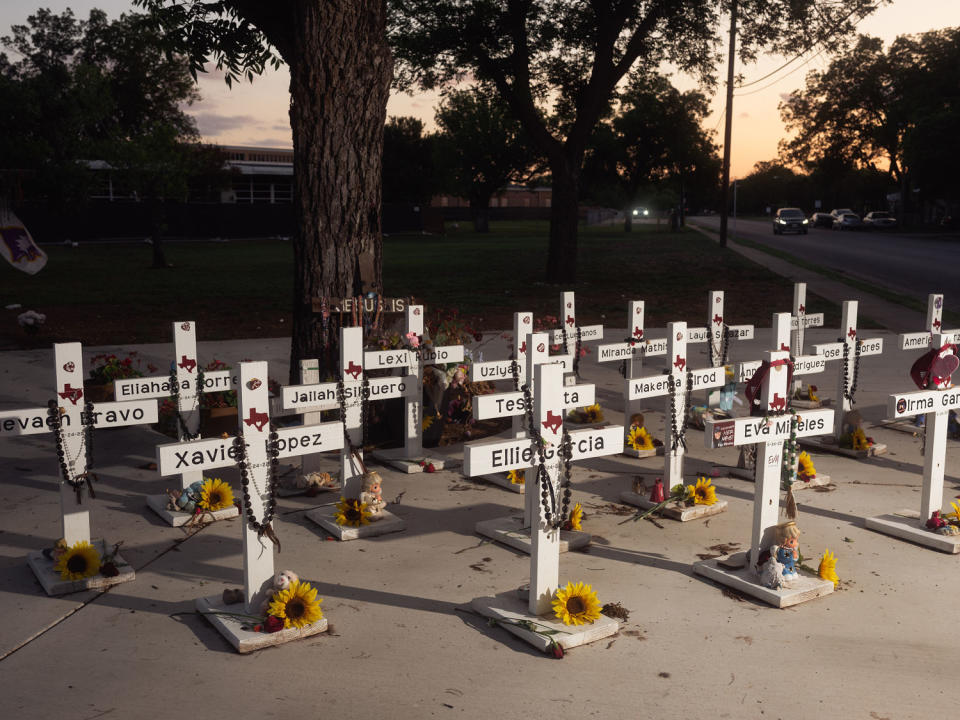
(674, 385)
(254, 432)
(414, 361)
(74, 516)
(769, 433)
(484, 457)
(324, 396)
(188, 369)
(847, 349)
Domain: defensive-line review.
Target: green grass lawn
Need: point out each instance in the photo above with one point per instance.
(108, 293)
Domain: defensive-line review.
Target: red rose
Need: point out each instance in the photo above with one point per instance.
(430, 468)
(273, 624)
(556, 648)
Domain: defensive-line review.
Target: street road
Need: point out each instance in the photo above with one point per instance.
(908, 263)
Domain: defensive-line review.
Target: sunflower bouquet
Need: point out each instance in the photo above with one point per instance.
(856, 440)
(703, 493)
(292, 604)
(639, 439)
(82, 560)
(589, 414)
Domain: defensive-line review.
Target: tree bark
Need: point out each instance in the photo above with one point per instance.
(564, 217)
(628, 217)
(156, 231)
(480, 210)
(340, 48)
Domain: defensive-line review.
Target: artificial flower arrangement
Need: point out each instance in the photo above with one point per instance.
(828, 568)
(703, 493)
(945, 523)
(104, 368)
(590, 414)
(203, 496)
(516, 477)
(856, 440)
(81, 560)
(575, 521)
(807, 393)
(805, 469)
(293, 603)
(351, 512)
(639, 439)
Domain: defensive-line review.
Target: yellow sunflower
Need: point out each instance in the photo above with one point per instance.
(352, 512)
(298, 605)
(593, 413)
(516, 477)
(860, 441)
(703, 492)
(956, 511)
(427, 422)
(576, 517)
(576, 604)
(81, 560)
(811, 393)
(215, 495)
(828, 568)
(805, 468)
(639, 439)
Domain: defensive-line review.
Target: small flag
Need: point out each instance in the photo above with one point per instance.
(18, 247)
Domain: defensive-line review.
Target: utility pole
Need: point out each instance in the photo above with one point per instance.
(728, 126)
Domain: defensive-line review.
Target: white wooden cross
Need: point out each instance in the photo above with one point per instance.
(323, 396)
(769, 432)
(505, 369)
(76, 433)
(717, 333)
(188, 368)
(674, 384)
(570, 335)
(935, 405)
(68, 359)
(801, 319)
(493, 456)
(254, 432)
(513, 403)
(632, 350)
(934, 324)
(415, 361)
(846, 350)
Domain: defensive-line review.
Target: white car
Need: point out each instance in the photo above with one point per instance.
(878, 220)
(845, 219)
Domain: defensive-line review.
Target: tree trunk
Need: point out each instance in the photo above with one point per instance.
(338, 148)
(564, 216)
(156, 231)
(628, 218)
(480, 210)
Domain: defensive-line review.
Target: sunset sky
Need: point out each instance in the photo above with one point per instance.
(256, 114)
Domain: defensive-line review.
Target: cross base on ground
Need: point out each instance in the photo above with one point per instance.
(748, 474)
(501, 480)
(53, 585)
(388, 523)
(243, 640)
(828, 444)
(510, 608)
(904, 426)
(175, 518)
(395, 459)
(510, 531)
(806, 404)
(744, 580)
(907, 525)
(630, 452)
(675, 511)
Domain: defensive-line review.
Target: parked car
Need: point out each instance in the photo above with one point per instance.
(878, 220)
(846, 221)
(789, 220)
(821, 219)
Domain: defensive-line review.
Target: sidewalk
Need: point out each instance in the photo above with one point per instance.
(404, 643)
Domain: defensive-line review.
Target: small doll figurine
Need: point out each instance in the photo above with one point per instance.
(372, 494)
(787, 551)
(282, 580)
(656, 495)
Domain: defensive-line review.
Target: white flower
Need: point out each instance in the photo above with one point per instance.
(31, 318)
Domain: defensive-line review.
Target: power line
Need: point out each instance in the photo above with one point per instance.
(779, 79)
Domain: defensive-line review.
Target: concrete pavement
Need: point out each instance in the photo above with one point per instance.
(403, 642)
